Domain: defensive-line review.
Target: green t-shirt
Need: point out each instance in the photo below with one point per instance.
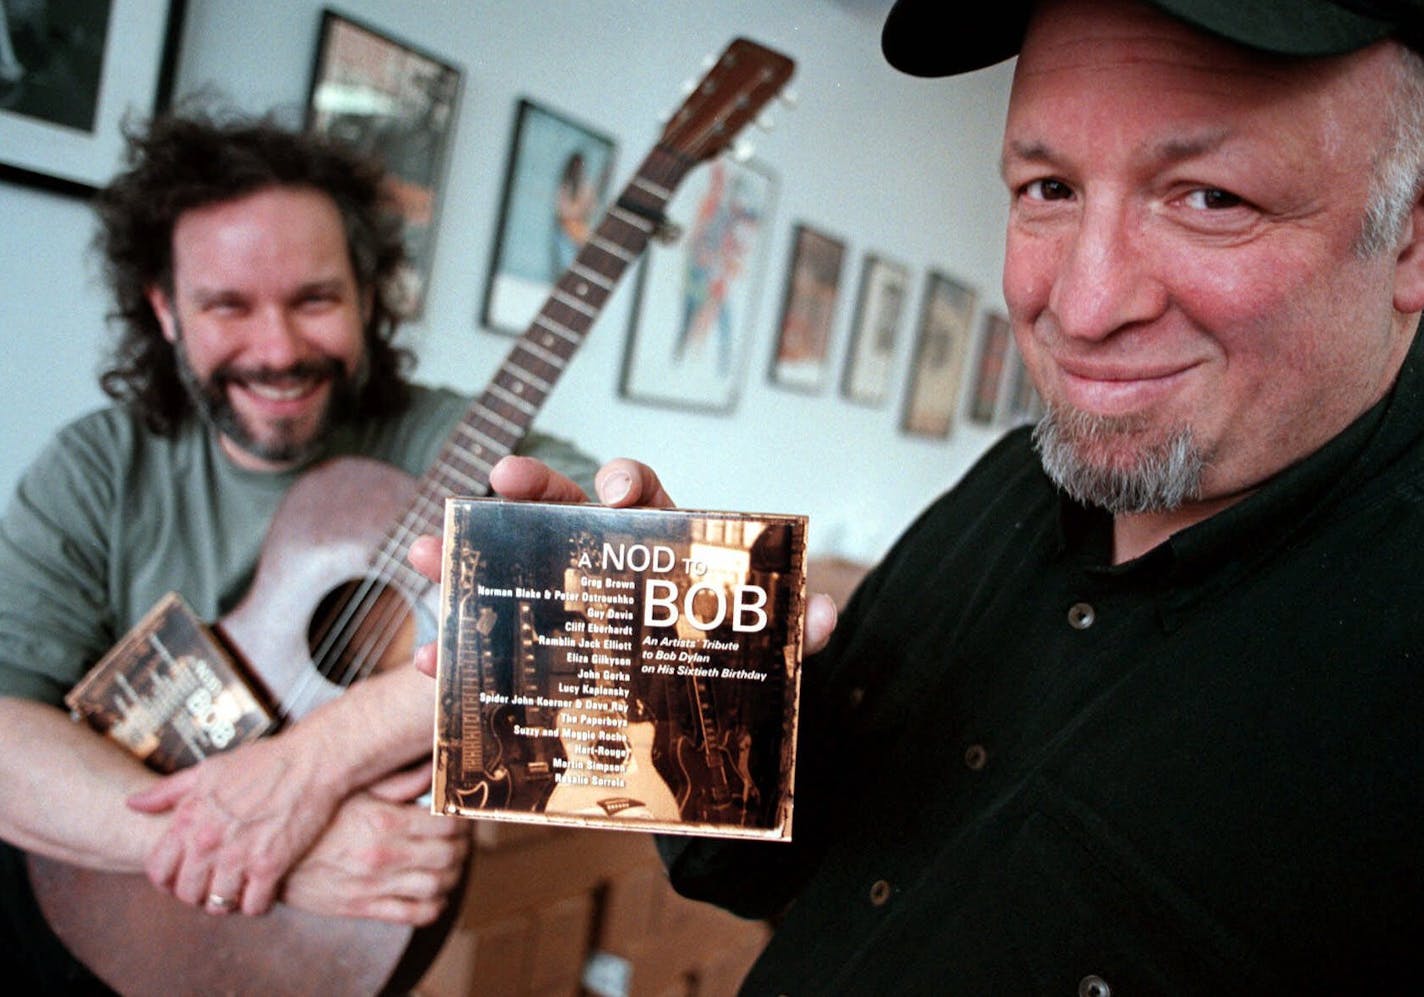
(112, 517)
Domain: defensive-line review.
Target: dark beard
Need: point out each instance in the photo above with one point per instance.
(1157, 476)
(285, 447)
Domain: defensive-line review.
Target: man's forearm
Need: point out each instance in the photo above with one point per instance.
(62, 791)
(63, 787)
(240, 820)
(377, 726)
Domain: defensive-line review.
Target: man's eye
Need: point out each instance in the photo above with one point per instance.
(1212, 199)
(1048, 190)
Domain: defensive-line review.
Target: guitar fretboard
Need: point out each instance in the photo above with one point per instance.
(499, 418)
(745, 77)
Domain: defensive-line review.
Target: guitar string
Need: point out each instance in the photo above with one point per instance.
(419, 519)
(371, 588)
(362, 605)
(368, 658)
(633, 242)
(338, 632)
(365, 611)
(675, 167)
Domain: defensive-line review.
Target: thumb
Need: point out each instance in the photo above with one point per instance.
(164, 794)
(401, 787)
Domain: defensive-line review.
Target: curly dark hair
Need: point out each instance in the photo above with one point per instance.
(186, 161)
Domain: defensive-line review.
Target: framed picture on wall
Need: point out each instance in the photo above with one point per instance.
(555, 186)
(813, 282)
(1022, 403)
(687, 339)
(69, 74)
(938, 365)
(989, 368)
(397, 104)
(884, 290)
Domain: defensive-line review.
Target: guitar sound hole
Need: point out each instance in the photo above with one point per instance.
(360, 628)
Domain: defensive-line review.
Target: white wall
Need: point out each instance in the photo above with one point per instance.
(894, 165)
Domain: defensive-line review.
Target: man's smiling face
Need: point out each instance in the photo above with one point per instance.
(267, 319)
(1183, 266)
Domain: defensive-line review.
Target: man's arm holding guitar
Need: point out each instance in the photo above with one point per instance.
(62, 788)
(242, 819)
(62, 793)
(239, 821)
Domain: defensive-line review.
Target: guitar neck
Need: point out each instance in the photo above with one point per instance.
(496, 421)
(472, 670)
(528, 678)
(733, 91)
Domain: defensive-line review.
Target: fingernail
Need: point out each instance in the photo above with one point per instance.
(616, 487)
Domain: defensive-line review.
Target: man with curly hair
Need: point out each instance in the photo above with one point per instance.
(249, 268)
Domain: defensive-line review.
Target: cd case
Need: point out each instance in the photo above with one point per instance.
(620, 668)
(171, 693)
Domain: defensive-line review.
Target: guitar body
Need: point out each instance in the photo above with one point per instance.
(530, 766)
(319, 543)
(141, 941)
(716, 782)
(643, 793)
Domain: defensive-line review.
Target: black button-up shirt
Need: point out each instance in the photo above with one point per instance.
(1025, 770)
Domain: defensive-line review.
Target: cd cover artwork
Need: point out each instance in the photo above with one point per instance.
(627, 668)
(171, 693)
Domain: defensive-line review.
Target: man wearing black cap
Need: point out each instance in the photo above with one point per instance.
(1135, 708)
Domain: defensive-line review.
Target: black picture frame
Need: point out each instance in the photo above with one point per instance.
(995, 346)
(808, 311)
(396, 103)
(941, 348)
(544, 194)
(880, 308)
(63, 111)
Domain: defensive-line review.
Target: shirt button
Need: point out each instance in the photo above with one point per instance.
(856, 695)
(975, 757)
(1093, 986)
(879, 892)
(1081, 616)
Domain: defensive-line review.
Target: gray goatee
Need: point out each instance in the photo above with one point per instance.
(1077, 450)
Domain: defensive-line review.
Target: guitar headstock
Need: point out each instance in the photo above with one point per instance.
(732, 93)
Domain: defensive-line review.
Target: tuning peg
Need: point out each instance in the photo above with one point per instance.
(742, 150)
(790, 98)
(668, 115)
(688, 85)
(765, 121)
(708, 61)
(667, 232)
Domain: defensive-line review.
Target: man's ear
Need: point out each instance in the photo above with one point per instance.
(163, 311)
(1409, 266)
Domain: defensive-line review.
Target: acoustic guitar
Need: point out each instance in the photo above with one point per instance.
(332, 601)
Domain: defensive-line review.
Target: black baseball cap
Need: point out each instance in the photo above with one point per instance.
(921, 37)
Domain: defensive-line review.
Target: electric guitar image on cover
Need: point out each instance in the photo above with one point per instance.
(332, 600)
(624, 753)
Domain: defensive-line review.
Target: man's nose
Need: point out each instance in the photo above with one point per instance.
(1106, 279)
(275, 338)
